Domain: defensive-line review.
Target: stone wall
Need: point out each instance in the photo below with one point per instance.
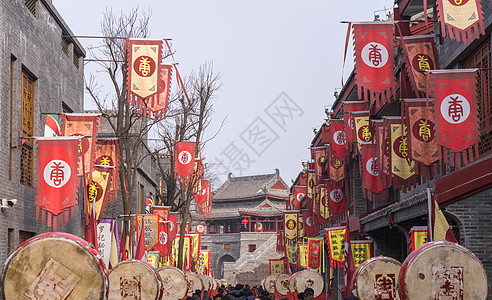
(34, 45)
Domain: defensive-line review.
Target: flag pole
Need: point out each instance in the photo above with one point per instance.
(429, 215)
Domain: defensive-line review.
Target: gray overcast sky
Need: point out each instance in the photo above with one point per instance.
(287, 50)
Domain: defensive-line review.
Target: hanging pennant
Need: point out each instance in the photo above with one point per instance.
(173, 224)
(311, 183)
(83, 125)
(337, 168)
(299, 194)
(361, 251)
(339, 138)
(362, 130)
(336, 245)
(402, 167)
(324, 201)
(97, 191)
(317, 203)
(318, 155)
(309, 224)
(383, 142)
(348, 107)
(150, 229)
(162, 245)
(143, 77)
(57, 180)
(315, 253)
(204, 263)
(290, 224)
(301, 230)
(195, 249)
(158, 105)
(280, 241)
(421, 56)
(107, 157)
(420, 121)
(336, 196)
(370, 170)
(277, 266)
(455, 103)
(302, 251)
(418, 237)
(291, 251)
(374, 61)
(52, 125)
(184, 159)
(460, 16)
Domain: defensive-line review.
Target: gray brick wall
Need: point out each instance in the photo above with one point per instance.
(35, 42)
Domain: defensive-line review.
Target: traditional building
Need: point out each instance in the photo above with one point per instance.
(241, 231)
(43, 72)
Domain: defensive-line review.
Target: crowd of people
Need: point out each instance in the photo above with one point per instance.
(245, 292)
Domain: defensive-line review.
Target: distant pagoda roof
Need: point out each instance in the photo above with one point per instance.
(251, 187)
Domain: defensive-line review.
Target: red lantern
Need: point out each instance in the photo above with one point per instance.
(245, 221)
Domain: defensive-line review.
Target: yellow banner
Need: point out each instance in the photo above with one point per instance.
(195, 243)
(277, 267)
(291, 250)
(144, 66)
(150, 229)
(323, 202)
(290, 225)
(311, 183)
(303, 254)
(362, 130)
(97, 190)
(204, 262)
(336, 243)
(153, 258)
(361, 251)
(186, 251)
(418, 237)
(460, 14)
(401, 164)
(301, 231)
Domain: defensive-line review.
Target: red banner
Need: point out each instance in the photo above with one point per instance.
(370, 166)
(163, 244)
(455, 103)
(158, 105)
(336, 194)
(339, 138)
(309, 223)
(299, 193)
(84, 125)
(107, 156)
(421, 56)
(315, 248)
(184, 159)
(374, 61)
(318, 154)
(460, 16)
(337, 168)
(57, 179)
(173, 224)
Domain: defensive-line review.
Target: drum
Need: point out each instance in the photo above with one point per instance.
(262, 283)
(292, 287)
(54, 266)
(270, 283)
(194, 283)
(134, 279)
(282, 284)
(376, 279)
(309, 279)
(442, 270)
(174, 283)
(207, 283)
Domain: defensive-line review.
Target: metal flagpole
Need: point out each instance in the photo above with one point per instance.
(429, 215)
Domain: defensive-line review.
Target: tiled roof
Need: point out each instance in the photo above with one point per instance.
(250, 186)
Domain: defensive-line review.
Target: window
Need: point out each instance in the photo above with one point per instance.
(32, 6)
(25, 235)
(204, 247)
(76, 59)
(251, 248)
(481, 58)
(64, 45)
(227, 247)
(27, 128)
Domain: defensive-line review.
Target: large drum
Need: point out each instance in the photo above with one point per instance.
(292, 281)
(282, 284)
(442, 270)
(207, 282)
(309, 279)
(134, 279)
(376, 279)
(174, 283)
(194, 283)
(54, 266)
(270, 283)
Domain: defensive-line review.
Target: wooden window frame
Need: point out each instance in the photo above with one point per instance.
(27, 128)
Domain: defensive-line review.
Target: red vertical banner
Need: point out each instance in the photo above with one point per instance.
(337, 168)
(318, 155)
(336, 194)
(420, 56)
(158, 105)
(348, 107)
(309, 223)
(184, 158)
(162, 244)
(299, 194)
(374, 61)
(315, 253)
(57, 179)
(370, 166)
(173, 224)
(456, 109)
(460, 16)
(339, 138)
(107, 157)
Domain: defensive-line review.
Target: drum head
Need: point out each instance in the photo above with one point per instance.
(174, 283)
(194, 283)
(282, 284)
(207, 284)
(309, 279)
(439, 270)
(376, 278)
(134, 279)
(39, 265)
(270, 283)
